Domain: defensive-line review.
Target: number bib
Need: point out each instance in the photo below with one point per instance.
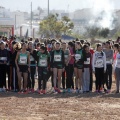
(31, 58)
(99, 63)
(65, 56)
(57, 58)
(3, 58)
(42, 62)
(77, 56)
(87, 62)
(23, 60)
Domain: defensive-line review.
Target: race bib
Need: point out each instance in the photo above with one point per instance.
(99, 63)
(77, 56)
(65, 56)
(57, 58)
(31, 58)
(43, 62)
(3, 58)
(23, 59)
(109, 61)
(87, 62)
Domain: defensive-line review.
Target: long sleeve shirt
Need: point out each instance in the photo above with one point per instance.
(99, 60)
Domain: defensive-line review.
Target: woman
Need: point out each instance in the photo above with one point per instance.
(87, 69)
(15, 48)
(117, 70)
(80, 57)
(57, 65)
(109, 59)
(69, 82)
(116, 47)
(99, 66)
(33, 54)
(66, 58)
(43, 63)
(4, 60)
(23, 67)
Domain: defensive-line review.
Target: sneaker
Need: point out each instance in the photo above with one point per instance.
(96, 91)
(32, 90)
(0, 89)
(58, 90)
(39, 92)
(108, 91)
(64, 90)
(55, 89)
(43, 91)
(21, 91)
(100, 91)
(77, 91)
(80, 91)
(69, 91)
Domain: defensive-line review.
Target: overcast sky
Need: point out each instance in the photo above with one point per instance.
(67, 5)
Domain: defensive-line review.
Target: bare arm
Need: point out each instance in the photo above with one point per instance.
(16, 59)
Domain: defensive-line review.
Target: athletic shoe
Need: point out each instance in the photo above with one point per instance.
(69, 90)
(80, 91)
(96, 91)
(43, 91)
(40, 92)
(0, 89)
(21, 91)
(32, 90)
(58, 90)
(64, 90)
(77, 91)
(108, 91)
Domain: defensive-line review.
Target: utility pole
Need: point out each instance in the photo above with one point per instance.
(15, 21)
(48, 7)
(31, 19)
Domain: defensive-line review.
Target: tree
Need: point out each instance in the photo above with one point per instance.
(104, 32)
(52, 26)
(92, 32)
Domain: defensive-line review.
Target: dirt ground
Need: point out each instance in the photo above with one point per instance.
(89, 106)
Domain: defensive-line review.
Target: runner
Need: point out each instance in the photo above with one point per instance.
(109, 60)
(43, 63)
(16, 47)
(23, 67)
(57, 65)
(69, 81)
(31, 75)
(117, 70)
(4, 59)
(78, 66)
(87, 69)
(66, 72)
(99, 66)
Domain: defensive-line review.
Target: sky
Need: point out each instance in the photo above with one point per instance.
(67, 5)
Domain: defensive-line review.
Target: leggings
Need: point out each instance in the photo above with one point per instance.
(14, 79)
(3, 76)
(69, 80)
(65, 77)
(31, 77)
(42, 73)
(99, 74)
(108, 76)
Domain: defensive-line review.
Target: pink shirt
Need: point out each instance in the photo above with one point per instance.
(72, 56)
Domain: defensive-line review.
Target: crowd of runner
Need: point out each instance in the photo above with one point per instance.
(68, 65)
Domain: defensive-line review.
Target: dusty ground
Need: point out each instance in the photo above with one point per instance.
(90, 106)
